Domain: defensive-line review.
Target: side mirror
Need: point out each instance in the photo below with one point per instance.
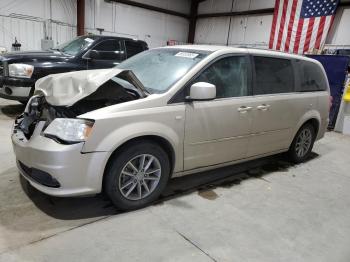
(202, 91)
(92, 54)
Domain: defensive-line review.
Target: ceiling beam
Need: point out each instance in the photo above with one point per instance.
(150, 7)
(80, 17)
(193, 20)
(248, 12)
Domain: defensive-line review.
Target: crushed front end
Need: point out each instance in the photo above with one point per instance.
(48, 142)
(53, 167)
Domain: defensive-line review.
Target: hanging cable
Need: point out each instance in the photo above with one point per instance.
(245, 23)
(229, 25)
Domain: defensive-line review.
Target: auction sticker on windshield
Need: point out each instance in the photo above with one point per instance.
(186, 54)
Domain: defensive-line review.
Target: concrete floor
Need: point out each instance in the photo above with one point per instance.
(266, 210)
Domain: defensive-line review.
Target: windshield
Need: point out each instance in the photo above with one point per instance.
(76, 45)
(159, 69)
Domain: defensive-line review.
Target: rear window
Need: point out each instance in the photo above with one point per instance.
(273, 75)
(311, 77)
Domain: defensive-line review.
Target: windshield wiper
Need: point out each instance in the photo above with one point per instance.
(152, 90)
(130, 77)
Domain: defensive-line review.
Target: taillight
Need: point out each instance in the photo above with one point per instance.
(330, 102)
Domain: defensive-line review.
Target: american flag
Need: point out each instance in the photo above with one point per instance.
(299, 26)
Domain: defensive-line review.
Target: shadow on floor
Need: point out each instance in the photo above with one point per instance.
(204, 182)
(12, 111)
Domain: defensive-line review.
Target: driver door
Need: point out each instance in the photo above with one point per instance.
(217, 131)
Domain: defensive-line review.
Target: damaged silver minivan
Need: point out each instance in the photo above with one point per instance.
(164, 113)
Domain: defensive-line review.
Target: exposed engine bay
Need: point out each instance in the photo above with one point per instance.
(112, 92)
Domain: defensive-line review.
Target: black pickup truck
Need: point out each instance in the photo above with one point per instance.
(20, 70)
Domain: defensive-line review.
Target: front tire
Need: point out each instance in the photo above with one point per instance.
(302, 144)
(137, 175)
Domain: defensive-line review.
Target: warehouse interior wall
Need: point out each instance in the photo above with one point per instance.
(28, 22)
(153, 27)
(254, 30)
(246, 29)
(339, 33)
(32, 20)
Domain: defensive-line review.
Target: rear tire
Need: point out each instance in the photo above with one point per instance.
(137, 175)
(302, 144)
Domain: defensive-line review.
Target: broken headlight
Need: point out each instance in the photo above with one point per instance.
(69, 130)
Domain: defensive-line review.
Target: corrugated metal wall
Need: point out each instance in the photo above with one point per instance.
(29, 21)
(340, 33)
(246, 29)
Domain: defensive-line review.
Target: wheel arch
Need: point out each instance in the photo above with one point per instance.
(161, 141)
(315, 123)
(314, 120)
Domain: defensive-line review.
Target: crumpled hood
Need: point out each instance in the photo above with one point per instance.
(65, 89)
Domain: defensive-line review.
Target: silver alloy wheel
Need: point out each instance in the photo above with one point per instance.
(140, 177)
(303, 143)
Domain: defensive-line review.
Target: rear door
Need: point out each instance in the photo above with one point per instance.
(110, 53)
(217, 131)
(276, 107)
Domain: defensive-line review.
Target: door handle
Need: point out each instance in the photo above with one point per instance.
(244, 109)
(263, 107)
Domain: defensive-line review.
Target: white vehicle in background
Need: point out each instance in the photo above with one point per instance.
(164, 113)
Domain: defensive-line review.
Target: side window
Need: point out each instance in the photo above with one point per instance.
(229, 75)
(133, 48)
(273, 75)
(109, 49)
(311, 77)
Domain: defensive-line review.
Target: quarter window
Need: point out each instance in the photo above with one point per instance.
(273, 75)
(229, 75)
(311, 77)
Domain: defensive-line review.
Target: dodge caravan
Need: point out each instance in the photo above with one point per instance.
(164, 113)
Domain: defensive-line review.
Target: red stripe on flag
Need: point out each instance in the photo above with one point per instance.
(310, 28)
(330, 25)
(298, 36)
(274, 22)
(290, 25)
(320, 32)
(283, 20)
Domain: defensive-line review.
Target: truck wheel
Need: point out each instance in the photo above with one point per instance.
(302, 144)
(137, 175)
